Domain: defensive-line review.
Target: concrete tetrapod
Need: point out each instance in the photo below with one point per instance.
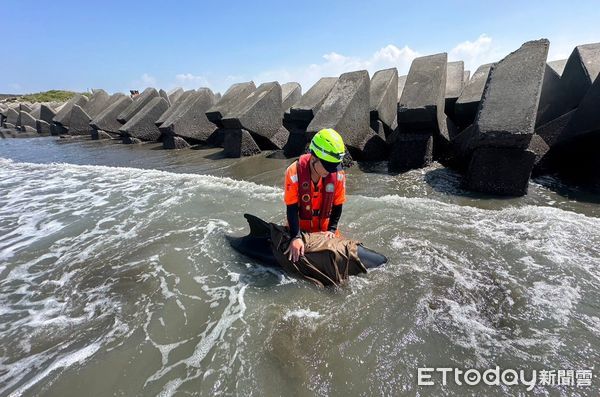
(455, 75)
(261, 115)
(305, 109)
(189, 121)
(579, 73)
(239, 143)
(174, 107)
(346, 110)
(97, 103)
(142, 125)
(420, 114)
(384, 99)
(79, 123)
(290, 94)
(138, 103)
(107, 120)
(467, 103)
(504, 126)
(232, 97)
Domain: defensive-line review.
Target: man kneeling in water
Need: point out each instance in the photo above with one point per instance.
(315, 189)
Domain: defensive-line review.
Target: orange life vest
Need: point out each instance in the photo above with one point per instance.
(311, 219)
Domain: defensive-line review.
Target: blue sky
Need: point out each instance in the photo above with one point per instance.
(122, 45)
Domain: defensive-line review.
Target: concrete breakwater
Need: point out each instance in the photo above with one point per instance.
(518, 117)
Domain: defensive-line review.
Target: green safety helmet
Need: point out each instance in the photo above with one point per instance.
(329, 147)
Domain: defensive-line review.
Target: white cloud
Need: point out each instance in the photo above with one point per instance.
(476, 53)
(335, 64)
(144, 81)
(189, 81)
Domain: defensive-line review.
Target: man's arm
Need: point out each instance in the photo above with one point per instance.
(293, 218)
(334, 218)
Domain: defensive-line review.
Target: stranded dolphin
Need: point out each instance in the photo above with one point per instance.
(257, 245)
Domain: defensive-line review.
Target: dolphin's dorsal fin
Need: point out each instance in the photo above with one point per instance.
(258, 227)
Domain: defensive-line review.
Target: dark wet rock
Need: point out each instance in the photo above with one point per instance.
(142, 125)
(409, 151)
(175, 106)
(236, 94)
(239, 143)
(384, 98)
(261, 115)
(138, 104)
(467, 103)
(500, 171)
(107, 120)
(290, 94)
(303, 111)
(189, 120)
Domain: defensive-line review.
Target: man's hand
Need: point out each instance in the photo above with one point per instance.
(329, 234)
(295, 250)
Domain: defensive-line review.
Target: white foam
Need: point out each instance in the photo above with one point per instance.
(64, 362)
(302, 313)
